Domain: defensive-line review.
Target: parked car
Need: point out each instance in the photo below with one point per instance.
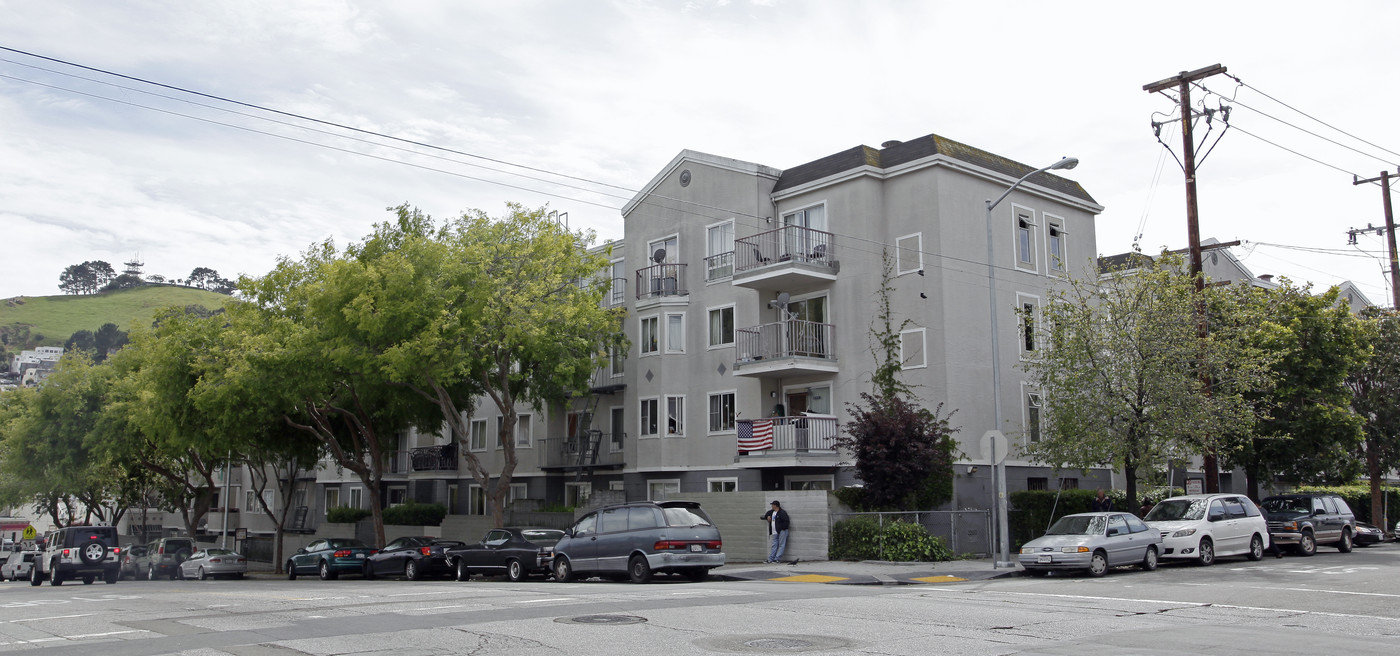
(1093, 542)
(329, 558)
(77, 552)
(17, 565)
(411, 557)
(163, 557)
(516, 552)
(1367, 535)
(130, 555)
(1203, 527)
(213, 562)
(1306, 520)
(637, 540)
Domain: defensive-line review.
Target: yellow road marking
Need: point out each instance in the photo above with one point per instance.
(937, 579)
(811, 578)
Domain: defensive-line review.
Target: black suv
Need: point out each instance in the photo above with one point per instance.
(1306, 520)
(78, 552)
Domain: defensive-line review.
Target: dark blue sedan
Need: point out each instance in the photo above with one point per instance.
(329, 558)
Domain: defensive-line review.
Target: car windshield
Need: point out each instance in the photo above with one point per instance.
(677, 516)
(1078, 525)
(345, 544)
(1173, 510)
(1287, 505)
(542, 537)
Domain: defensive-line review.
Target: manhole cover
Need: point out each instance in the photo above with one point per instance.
(602, 619)
(778, 643)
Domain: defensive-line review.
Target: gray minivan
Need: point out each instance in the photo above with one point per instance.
(639, 539)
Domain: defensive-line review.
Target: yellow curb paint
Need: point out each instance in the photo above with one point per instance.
(811, 578)
(937, 579)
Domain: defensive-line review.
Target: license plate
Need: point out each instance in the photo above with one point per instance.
(360, 556)
(697, 547)
(1044, 558)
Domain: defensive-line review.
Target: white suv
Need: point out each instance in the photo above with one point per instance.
(78, 552)
(1202, 527)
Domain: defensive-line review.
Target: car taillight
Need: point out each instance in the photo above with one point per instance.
(714, 544)
(116, 550)
(662, 545)
(161, 550)
(242, 560)
(65, 553)
(426, 551)
(343, 553)
(215, 560)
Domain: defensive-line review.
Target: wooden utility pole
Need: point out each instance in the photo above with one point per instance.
(1384, 179)
(1182, 82)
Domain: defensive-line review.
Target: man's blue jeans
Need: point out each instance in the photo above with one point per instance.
(779, 543)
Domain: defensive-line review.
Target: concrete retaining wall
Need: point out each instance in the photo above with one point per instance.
(746, 536)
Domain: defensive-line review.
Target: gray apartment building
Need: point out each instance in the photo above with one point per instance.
(750, 292)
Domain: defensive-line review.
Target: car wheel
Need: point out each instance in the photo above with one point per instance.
(563, 571)
(203, 576)
(1205, 554)
(1098, 564)
(178, 574)
(87, 580)
(150, 572)
(55, 578)
(411, 571)
(515, 571)
(697, 575)
(369, 572)
(1149, 559)
(112, 576)
(291, 571)
(326, 573)
(35, 577)
(1307, 545)
(639, 570)
(1256, 547)
(463, 572)
(1345, 545)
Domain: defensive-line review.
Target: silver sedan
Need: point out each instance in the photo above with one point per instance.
(1093, 542)
(205, 563)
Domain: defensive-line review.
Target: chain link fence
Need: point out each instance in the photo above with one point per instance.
(964, 531)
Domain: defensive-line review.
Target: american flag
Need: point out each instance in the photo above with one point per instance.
(756, 435)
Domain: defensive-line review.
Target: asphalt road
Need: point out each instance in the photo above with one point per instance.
(1328, 604)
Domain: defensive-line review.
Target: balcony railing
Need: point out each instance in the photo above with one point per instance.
(595, 449)
(661, 280)
(791, 434)
(786, 244)
(434, 458)
(784, 339)
(616, 294)
(718, 267)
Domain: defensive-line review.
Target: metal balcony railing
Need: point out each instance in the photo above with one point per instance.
(616, 294)
(796, 434)
(591, 450)
(661, 280)
(434, 458)
(718, 267)
(782, 339)
(786, 244)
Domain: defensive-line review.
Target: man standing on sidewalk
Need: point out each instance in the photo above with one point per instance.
(777, 519)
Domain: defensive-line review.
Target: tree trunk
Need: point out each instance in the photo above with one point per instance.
(1130, 473)
(378, 509)
(1251, 481)
(1373, 471)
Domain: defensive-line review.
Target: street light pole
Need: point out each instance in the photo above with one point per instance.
(999, 468)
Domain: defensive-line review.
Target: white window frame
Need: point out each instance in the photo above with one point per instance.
(517, 492)
(900, 267)
(710, 269)
(454, 497)
(642, 418)
(709, 327)
(680, 420)
(617, 486)
(668, 482)
(476, 496)
(1021, 213)
(826, 216)
(1023, 300)
(671, 346)
(1032, 401)
(356, 497)
(922, 336)
(617, 361)
(617, 284)
(617, 438)
(733, 412)
(331, 499)
(672, 254)
(250, 503)
(1053, 265)
(723, 482)
(641, 335)
(525, 440)
(472, 439)
(389, 495)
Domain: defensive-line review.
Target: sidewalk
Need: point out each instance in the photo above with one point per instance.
(865, 572)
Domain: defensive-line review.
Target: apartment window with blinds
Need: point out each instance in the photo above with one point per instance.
(722, 412)
(719, 251)
(675, 333)
(722, 327)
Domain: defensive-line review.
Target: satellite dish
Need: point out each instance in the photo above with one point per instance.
(781, 302)
(659, 256)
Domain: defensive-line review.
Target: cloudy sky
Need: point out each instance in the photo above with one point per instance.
(595, 97)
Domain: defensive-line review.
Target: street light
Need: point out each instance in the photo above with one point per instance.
(999, 466)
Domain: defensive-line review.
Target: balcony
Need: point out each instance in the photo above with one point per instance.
(616, 293)
(594, 450)
(719, 267)
(662, 284)
(604, 382)
(434, 458)
(791, 258)
(785, 348)
(399, 463)
(797, 441)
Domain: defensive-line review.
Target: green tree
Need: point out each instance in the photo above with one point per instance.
(1120, 367)
(1374, 389)
(1307, 432)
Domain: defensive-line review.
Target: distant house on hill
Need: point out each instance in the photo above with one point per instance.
(33, 366)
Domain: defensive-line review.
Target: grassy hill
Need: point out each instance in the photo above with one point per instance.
(58, 317)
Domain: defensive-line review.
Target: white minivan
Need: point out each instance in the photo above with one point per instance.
(1203, 527)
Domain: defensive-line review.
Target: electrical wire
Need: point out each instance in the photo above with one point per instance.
(1318, 120)
(1307, 157)
(1306, 131)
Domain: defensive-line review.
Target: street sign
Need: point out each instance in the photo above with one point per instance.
(29, 533)
(1195, 486)
(994, 441)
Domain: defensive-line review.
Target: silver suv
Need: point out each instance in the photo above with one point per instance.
(639, 539)
(78, 552)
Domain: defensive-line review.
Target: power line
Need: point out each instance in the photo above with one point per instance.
(1260, 92)
(1302, 129)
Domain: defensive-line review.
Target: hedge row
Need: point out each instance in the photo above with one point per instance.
(863, 538)
(408, 514)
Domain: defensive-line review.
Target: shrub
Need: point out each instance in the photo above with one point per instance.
(863, 538)
(415, 514)
(346, 515)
